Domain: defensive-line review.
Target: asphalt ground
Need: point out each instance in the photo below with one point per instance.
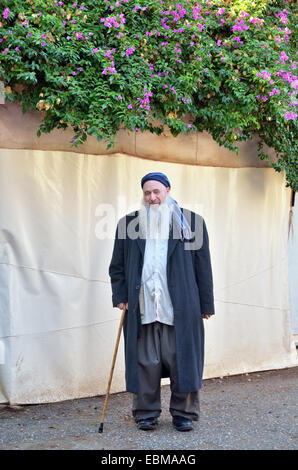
(256, 411)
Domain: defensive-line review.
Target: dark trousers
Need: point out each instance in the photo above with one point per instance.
(156, 348)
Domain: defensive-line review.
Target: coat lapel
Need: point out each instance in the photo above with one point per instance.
(172, 241)
(141, 244)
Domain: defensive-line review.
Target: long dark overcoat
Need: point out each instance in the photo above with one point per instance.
(190, 284)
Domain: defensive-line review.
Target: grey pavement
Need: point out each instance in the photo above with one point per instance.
(256, 411)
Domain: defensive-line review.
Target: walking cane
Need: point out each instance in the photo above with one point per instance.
(100, 430)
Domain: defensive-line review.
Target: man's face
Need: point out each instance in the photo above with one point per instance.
(154, 192)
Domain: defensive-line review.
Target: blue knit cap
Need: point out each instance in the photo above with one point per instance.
(161, 177)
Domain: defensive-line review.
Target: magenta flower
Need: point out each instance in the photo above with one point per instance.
(240, 26)
(264, 74)
(274, 91)
(237, 39)
(6, 13)
(129, 51)
(283, 56)
(290, 116)
(220, 11)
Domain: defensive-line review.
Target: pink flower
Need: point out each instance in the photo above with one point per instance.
(264, 74)
(290, 116)
(129, 51)
(283, 56)
(220, 11)
(237, 39)
(274, 91)
(240, 26)
(6, 13)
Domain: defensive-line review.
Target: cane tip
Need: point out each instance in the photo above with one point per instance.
(100, 429)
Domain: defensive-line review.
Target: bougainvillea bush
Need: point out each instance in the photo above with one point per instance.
(227, 67)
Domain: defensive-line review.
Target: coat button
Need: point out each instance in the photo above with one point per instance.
(137, 286)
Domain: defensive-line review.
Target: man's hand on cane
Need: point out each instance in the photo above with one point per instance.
(121, 306)
(206, 315)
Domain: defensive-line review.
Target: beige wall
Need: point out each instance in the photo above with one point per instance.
(18, 131)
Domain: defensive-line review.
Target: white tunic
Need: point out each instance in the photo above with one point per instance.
(154, 300)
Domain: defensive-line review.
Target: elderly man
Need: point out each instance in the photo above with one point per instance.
(161, 270)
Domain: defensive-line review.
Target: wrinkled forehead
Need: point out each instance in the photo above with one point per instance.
(152, 185)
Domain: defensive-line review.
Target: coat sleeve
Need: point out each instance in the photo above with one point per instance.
(117, 272)
(204, 276)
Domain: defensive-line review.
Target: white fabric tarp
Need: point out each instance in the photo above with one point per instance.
(57, 323)
(293, 269)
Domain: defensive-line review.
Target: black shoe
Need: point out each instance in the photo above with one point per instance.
(147, 424)
(182, 424)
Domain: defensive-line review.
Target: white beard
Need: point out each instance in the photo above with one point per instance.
(155, 221)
